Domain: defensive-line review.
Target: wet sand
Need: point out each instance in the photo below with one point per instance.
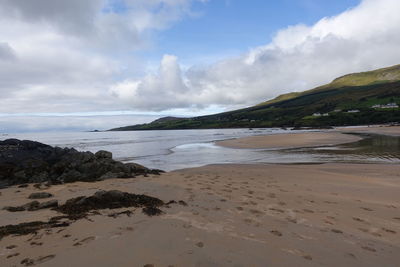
(237, 215)
(290, 140)
(374, 129)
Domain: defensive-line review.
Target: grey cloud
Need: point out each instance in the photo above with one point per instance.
(6, 52)
(13, 124)
(67, 53)
(70, 15)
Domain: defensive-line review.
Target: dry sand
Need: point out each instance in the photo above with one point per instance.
(289, 140)
(237, 215)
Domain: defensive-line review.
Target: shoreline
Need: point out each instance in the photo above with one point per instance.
(310, 139)
(290, 140)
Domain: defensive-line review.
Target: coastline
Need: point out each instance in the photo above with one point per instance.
(308, 139)
(333, 214)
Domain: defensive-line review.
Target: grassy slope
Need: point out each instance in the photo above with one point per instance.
(353, 91)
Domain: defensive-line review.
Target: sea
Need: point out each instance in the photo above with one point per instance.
(177, 149)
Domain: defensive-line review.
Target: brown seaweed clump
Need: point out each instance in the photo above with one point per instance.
(112, 199)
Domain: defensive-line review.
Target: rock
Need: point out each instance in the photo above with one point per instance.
(34, 205)
(102, 154)
(27, 161)
(40, 195)
(14, 209)
(31, 206)
(48, 204)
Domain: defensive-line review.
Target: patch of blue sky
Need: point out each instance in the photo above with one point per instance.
(232, 27)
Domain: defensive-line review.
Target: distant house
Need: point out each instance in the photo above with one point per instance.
(325, 114)
(353, 111)
(317, 114)
(390, 105)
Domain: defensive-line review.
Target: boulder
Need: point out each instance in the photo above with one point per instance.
(48, 204)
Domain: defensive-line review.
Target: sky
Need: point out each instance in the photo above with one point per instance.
(98, 64)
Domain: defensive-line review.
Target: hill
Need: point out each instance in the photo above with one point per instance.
(360, 98)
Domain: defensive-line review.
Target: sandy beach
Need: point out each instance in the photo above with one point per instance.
(232, 215)
(290, 140)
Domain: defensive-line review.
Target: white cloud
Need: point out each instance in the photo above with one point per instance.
(300, 57)
(62, 56)
(160, 91)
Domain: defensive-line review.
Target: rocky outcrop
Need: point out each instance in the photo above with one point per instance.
(33, 162)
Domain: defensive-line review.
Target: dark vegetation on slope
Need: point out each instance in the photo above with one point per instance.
(358, 91)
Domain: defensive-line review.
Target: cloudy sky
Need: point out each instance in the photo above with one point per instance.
(81, 65)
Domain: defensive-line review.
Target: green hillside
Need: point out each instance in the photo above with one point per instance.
(347, 100)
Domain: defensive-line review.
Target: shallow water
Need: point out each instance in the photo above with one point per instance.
(170, 150)
(371, 149)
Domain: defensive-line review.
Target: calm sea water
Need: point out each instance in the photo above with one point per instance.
(170, 150)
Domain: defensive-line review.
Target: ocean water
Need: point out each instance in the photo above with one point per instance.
(177, 149)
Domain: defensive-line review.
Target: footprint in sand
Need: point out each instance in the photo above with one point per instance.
(328, 222)
(277, 210)
(307, 257)
(248, 221)
(367, 209)
(336, 231)
(256, 212)
(240, 208)
(388, 230)
(275, 232)
(358, 219)
(13, 255)
(368, 248)
(85, 241)
(39, 260)
(308, 211)
(200, 244)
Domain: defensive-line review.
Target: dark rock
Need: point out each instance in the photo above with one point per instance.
(40, 195)
(26, 161)
(14, 209)
(34, 205)
(30, 206)
(48, 204)
(102, 154)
